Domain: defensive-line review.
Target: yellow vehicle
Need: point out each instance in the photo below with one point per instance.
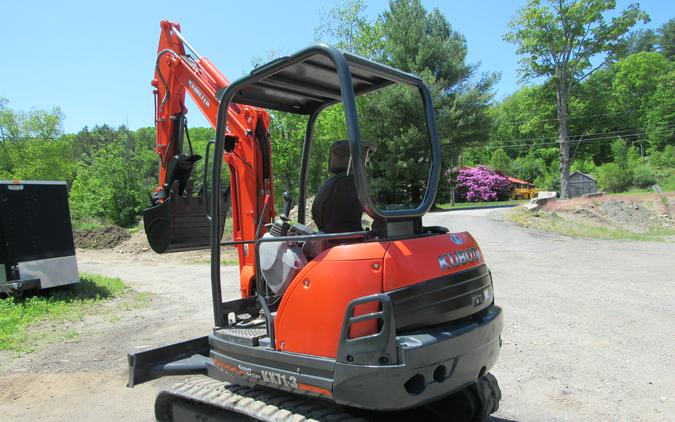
(522, 189)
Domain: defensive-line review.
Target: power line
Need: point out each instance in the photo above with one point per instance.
(591, 140)
(582, 141)
(614, 133)
(574, 117)
(552, 119)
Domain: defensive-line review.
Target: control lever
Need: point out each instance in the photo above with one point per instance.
(288, 203)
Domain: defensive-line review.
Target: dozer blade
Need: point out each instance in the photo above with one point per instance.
(180, 223)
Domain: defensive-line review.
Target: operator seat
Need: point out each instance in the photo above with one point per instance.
(336, 206)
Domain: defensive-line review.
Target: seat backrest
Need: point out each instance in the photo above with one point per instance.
(336, 207)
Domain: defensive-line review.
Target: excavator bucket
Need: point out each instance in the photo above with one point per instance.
(180, 223)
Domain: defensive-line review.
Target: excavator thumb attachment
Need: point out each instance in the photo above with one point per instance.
(180, 223)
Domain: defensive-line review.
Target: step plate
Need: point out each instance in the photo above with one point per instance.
(247, 336)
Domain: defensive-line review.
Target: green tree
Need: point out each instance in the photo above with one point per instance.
(612, 178)
(44, 124)
(642, 94)
(35, 159)
(424, 43)
(287, 136)
(659, 118)
(410, 38)
(635, 81)
(32, 146)
(524, 120)
(667, 39)
(287, 130)
(635, 42)
(345, 24)
(10, 128)
(115, 185)
(528, 167)
(500, 161)
(617, 176)
(557, 40)
(595, 115)
(37, 123)
(87, 142)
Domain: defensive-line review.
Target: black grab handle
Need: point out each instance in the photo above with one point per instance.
(205, 186)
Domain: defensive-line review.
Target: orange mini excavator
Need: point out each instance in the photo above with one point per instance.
(395, 321)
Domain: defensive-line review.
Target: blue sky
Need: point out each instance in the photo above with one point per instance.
(95, 59)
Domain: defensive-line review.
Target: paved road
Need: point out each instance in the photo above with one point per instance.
(589, 335)
(590, 324)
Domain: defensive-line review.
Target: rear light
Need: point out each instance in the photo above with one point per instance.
(488, 295)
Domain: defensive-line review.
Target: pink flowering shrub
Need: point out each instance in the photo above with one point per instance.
(481, 184)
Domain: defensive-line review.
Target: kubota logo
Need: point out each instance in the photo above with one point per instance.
(452, 260)
(198, 92)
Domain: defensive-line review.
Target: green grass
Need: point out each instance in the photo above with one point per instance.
(87, 224)
(667, 183)
(21, 318)
(459, 205)
(135, 229)
(554, 223)
(227, 260)
(642, 191)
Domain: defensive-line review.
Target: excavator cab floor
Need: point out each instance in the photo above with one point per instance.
(180, 223)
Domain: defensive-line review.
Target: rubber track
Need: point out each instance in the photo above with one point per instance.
(489, 394)
(260, 404)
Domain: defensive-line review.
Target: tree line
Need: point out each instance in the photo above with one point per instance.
(619, 117)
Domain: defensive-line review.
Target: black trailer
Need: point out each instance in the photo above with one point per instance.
(36, 237)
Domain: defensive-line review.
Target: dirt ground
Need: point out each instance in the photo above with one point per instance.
(636, 213)
(589, 330)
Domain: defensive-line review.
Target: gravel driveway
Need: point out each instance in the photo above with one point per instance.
(589, 330)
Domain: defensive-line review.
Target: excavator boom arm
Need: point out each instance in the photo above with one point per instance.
(179, 69)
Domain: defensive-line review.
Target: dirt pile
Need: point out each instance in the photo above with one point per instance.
(100, 237)
(636, 215)
(137, 243)
(632, 216)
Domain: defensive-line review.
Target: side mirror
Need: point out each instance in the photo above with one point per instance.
(288, 203)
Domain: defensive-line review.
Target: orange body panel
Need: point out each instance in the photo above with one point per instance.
(354, 251)
(310, 316)
(412, 261)
(246, 280)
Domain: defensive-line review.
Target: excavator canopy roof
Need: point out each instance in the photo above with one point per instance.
(311, 79)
